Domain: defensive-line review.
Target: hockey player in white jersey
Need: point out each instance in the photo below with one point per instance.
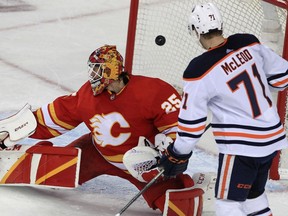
(232, 80)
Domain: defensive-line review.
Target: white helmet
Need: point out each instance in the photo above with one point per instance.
(205, 17)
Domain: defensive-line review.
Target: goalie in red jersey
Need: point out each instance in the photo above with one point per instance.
(118, 108)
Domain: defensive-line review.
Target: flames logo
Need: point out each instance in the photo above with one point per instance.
(102, 129)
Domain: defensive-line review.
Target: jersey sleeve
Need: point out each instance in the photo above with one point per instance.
(275, 67)
(57, 118)
(193, 114)
(165, 106)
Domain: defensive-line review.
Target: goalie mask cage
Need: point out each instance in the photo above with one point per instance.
(169, 18)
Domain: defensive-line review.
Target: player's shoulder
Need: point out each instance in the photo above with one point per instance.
(85, 87)
(84, 91)
(151, 86)
(142, 78)
(147, 81)
(241, 40)
(202, 64)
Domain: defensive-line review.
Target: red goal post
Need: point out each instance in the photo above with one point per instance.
(149, 18)
(282, 96)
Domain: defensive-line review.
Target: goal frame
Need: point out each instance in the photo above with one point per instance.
(282, 96)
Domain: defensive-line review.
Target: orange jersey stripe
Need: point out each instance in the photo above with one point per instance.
(197, 129)
(167, 126)
(114, 158)
(41, 121)
(55, 118)
(239, 134)
(280, 83)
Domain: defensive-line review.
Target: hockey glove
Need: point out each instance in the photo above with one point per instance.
(162, 142)
(141, 162)
(172, 163)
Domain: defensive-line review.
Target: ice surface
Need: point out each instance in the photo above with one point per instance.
(44, 49)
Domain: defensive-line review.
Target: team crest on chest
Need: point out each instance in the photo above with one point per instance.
(104, 130)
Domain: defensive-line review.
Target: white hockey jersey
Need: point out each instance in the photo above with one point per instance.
(233, 81)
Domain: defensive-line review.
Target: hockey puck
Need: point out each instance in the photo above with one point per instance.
(160, 40)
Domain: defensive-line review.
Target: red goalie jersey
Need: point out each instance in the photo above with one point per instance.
(145, 107)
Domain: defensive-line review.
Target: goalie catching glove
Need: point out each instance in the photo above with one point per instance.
(173, 163)
(142, 160)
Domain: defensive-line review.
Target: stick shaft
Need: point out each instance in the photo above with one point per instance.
(141, 192)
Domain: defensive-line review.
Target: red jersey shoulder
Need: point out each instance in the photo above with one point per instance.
(151, 84)
(85, 89)
(155, 93)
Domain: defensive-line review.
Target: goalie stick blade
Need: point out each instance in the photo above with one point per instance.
(48, 166)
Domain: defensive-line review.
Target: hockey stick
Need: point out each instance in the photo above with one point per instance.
(140, 193)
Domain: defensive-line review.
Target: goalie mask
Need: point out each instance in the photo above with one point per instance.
(105, 65)
(204, 18)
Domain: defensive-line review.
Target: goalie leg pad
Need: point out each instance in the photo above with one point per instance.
(37, 165)
(187, 201)
(191, 199)
(206, 181)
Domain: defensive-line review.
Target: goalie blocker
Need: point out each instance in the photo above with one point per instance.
(17, 127)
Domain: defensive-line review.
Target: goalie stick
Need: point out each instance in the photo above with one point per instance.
(149, 184)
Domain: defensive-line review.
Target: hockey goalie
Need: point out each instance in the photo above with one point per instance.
(117, 108)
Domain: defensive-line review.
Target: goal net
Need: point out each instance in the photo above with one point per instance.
(169, 18)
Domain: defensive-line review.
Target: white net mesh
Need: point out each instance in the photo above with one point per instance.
(169, 18)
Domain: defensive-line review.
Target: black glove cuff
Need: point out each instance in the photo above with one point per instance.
(176, 158)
